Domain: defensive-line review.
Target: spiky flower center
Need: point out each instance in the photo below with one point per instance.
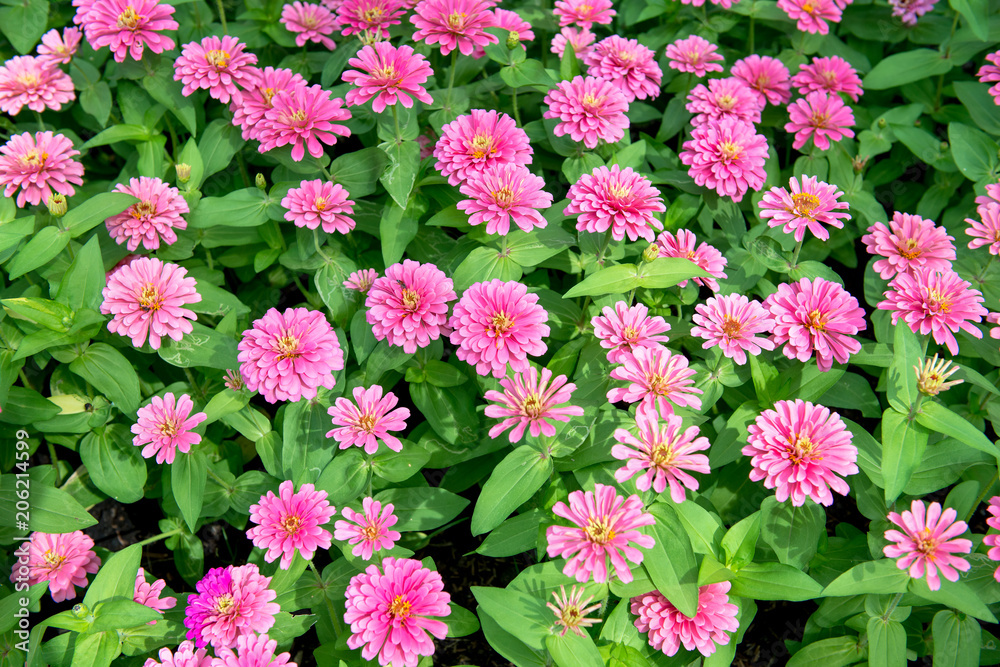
(291, 523)
(662, 455)
(816, 321)
(926, 544)
(369, 533)
(411, 299)
(309, 21)
(457, 20)
(320, 203)
(763, 81)
(932, 375)
(150, 299)
(218, 58)
(371, 15)
(630, 333)
(268, 94)
(143, 209)
(599, 530)
(482, 146)
(400, 608)
(225, 604)
(694, 57)
(829, 77)
(504, 197)
(909, 250)
(820, 119)
(592, 104)
(33, 159)
(730, 150)
(804, 203)
(366, 422)
(128, 19)
(288, 347)
(28, 79)
(501, 323)
(940, 301)
(808, 8)
(297, 117)
(386, 73)
(169, 427)
(726, 102)
(803, 450)
(731, 327)
(533, 406)
(52, 559)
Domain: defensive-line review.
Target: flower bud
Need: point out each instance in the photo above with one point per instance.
(261, 182)
(882, 123)
(57, 205)
(183, 172)
(931, 376)
(513, 39)
(651, 252)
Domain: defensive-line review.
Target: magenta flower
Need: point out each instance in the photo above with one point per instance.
(668, 628)
(816, 316)
(584, 13)
(368, 419)
(910, 243)
(390, 614)
(725, 4)
(230, 602)
(309, 22)
(623, 329)
(656, 379)
(767, 76)
(705, 256)
(217, 65)
(291, 521)
(62, 559)
(368, 530)
(808, 206)
(579, 40)
(821, 117)
(502, 194)
(812, 15)
(408, 307)
(618, 199)
(937, 303)
(497, 322)
(832, 75)
(27, 81)
(153, 218)
(454, 24)
(512, 22)
(908, 11)
(991, 74)
(38, 165)
(694, 54)
(369, 17)
(472, 142)
(389, 74)
(662, 453)
(605, 527)
(589, 110)
(128, 27)
(289, 356)
(361, 280)
(253, 651)
(723, 98)
(993, 540)
(165, 426)
(320, 202)
(250, 105)
(185, 656)
(726, 155)
(986, 230)
(149, 594)
(732, 322)
(927, 543)
(303, 117)
(146, 299)
(59, 48)
(628, 65)
(528, 401)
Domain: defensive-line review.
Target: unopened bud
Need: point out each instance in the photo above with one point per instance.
(261, 182)
(931, 376)
(57, 205)
(651, 252)
(80, 610)
(859, 163)
(944, 147)
(183, 172)
(369, 37)
(881, 123)
(513, 39)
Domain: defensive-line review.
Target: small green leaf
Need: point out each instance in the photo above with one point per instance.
(886, 643)
(523, 616)
(775, 581)
(877, 577)
(974, 152)
(95, 210)
(514, 481)
(461, 622)
(116, 578)
(188, 478)
(793, 532)
(401, 172)
(42, 247)
(957, 639)
(902, 68)
(903, 445)
(359, 171)
(671, 561)
(939, 418)
(515, 535)
(571, 649)
(115, 465)
(617, 279)
(422, 508)
(111, 373)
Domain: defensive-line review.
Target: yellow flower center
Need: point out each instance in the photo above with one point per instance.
(28, 79)
(803, 204)
(367, 423)
(532, 406)
(662, 455)
(726, 102)
(410, 299)
(504, 197)
(482, 146)
(309, 21)
(730, 150)
(731, 327)
(168, 428)
(829, 77)
(817, 321)
(52, 559)
(399, 608)
(457, 20)
(268, 94)
(501, 323)
(291, 524)
(320, 203)
(809, 9)
(369, 533)
(288, 347)
(128, 18)
(297, 116)
(626, 56)
(925, 544)
(150, 299)
(217, 58)
(387, 72)
(590, 103)
(939, 302)
(33, 159)
(820, 119)
(224, 604)
(599, 530)
(802, 450)
(910, 249)
(763, 81)
(371, 14)
(143, 209)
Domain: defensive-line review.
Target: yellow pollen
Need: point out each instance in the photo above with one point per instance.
(33, 159)
(618, 191)
(820, 119)
(802, 450)
(482, 146)
(599, 530)
(27, 79)
(224, 604)
(829, 77)
(410, 299)
(731, 327)
(663, 455)
(369, 532)
(694, 57)
(128, 18)
(504, 197)
(387, 72)
(726, 102)
(366, 422)
(217, 58)
(533, 406)
(291, 524)
(150, 299)
(52, 559)
(371, 14)
(803, 204)
(589, 101)
(501, 323)
(625, 55)
(808, 8)
(297, 116)
(691, 255)
(630, 333)
(143, 209)
(168, 428)
(309, 21)
(457, 20)
(730, 150)
(287, 347)
(763, 81)
(910, 250)
(268, 93)
(584, 9)
(399, 608)
(938, 300)
(816, 321)
(320, 203)
(925, 544)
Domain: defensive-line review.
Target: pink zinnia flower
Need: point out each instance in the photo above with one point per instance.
(474, 141)
(767, 76)
(253, 651)
(799, 449)
(408, 306)
(584, 13)
(320, 202)
(695, 54)
(991, 74)
(726, 155)
(808, 206)
(512, 22)
(938, 303)
(59, 48)
(908, 244)
(454, 24)
(250, 105)
(605, 527)
(153, 218)
(992, 195)
(149, 594)
(127, 27)
(39, 164)
(389, 74)
(656, 379)
(909, 11)
(618, 199)
(821, 117)
(589, 110)
(927, 543)
(993, 541)
(622, 330)
(230, 602)
(705, 256)
(62, 559)
(368, 529)
(628, 65)
(291, 521)
(571, 611)
(361, 280)
(146, 299)
(530, 402)
(505, 193)
(580, 41)
(309, 22)
(662, 453)
(371, 17)
(27, 81)
(289, 356)
(816, 316)
(668, 628)
(165, 426)
(390, 614)
(303, 116)
(723, 98)
(217, 65)
(368, 419)
(832, 75)
(725, 4)
(986, 231)
(497, 322)
(185, 656)
(811, 15)
(732, 322)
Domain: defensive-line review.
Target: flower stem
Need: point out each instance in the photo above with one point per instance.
(338, 626)
(451, 79)
(395, 120)
(795, 254)
(604, 248)
(221, 482)
(161, 536)
(316, 243)
(750, 45)
(517, 114)
(222, 17)
(41, 123)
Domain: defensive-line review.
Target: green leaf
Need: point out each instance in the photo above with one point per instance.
(741, 542)
(533, 248)
(907, 353)
(202, 347)
(121, 614)
(43, 312)
(514, 481)
(452, 414)
(775, 581)
(483, 264)
(400, 466)
(26, 406)
(42, 247)
(116, 578)
(977, 16)
(359, 171)
(115, 465)
(957, 639)
(461, 622)
(111, 374)
(617, 279)
(886, 643)
(528, 73)
(345, 477)
(398, 226)
(515, 535)
(401, 172)
(242, 208)
(671, 562)
(188, 478)
(523, 616)
(833, 652)
(666, 272)
(84, 281)
(939, 418)
(422, 508)
(509, 646)
(793, 532)
(219, 142)
(11, 604)
(96, 100)
(191, 156)
(976, 98)
(955, 594)
(95, 649)
(52, 510)
(902, 68)
(95, 210)
(117, 133)
(443, 375)
(24, 23)
(974, 152)
(877, 577)
(305, 426)
(162, 88)
(903, 445)
(571, 649)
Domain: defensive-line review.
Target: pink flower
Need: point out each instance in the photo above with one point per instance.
(992, 195)
(668, 628)
(986, 231)
(289, 356)
(605, 527)
(361, 280)
(726, 155)
(472, 142)
(530, 402)
(253, 651)
(26, 81)
(184, 656)
(628, 65)
(662, 453)
(165, 426)
(579, 40)
(146, 299)
(938, 303)
(820, 117)
(816, 316)
(217, 65)
(617, 199)
(497, 322)
(656, 379)
(767, 76)
(811, 15)
(408, 307)
(320, 202)
(303, 116)
(589, 110)
(695, 54)
(725, 4)
(991, 74)
(250, 105)
(808, 206)
(62, 559)
(153, 218)
(291, 521)
(505, 193)
(371, 17)
(908, 244)
(59, 49)
(39, 164)
(584, 13)
(705, 256)
(127, 27)
(512, 22)
(454, 24)
(389, 74)
(368, 529)
(723, 98)
(149, 594)
(831, 75)
(993, 540)
(927, 543)
(309, 22)
(230, 602)
(732, 322)
(368, 419)
(799, 449)
(571, 611)
(909, 11)
(390, 614)
(623, 329)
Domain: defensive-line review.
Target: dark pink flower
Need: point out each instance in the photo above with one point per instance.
(408, 307)
(454, 24)
(27, 81)
(821, 117)
(59, 48)
(309, 22)
(149, 594)
(726, 155)
(667, 628)
(250, 105)
(502, 194)
(61, 559)
(812, 15)
(656, 380)
(368, 419)
(589, 110)
(38, 164)
(389, 74)
(808, 206)
(661, 454)
(150, 220)
(291, 521)
(369, 17)
(320, 202)
(368, 529)
(474, 141)
(767, 76)
(512, 22)
(909, 11)
(732, 322)
(990, 73)
(230, 602)
(531, 402)
(694, 54)
(927, 543)
(584, 13)
(253, 651)
(723, 98)
(628, 65)
(579, 40)
(303, 117)
(165, 426)
(128, 27)
(618, 199)
(832, 75)
(993, 540)
(217, 65)
(623, 329)
(705, 256)
(986, 230)
(910, 243)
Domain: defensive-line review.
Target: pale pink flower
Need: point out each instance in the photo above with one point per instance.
(908, 244)
(991, 74)
(150, 220)
(832, 75)
(512, 22)
(571, 611)
(389, 74)
(253, 651)
(128, 27)
(230, 602)
(623, 329)
(303, 116)
(27, 81)
(38, 165)
(723, 98)
(59, 48)
(185, 656)
(149, 594)
(289, 356)
(732, 322)
(368, 419)
(589, 110)
(661, 454)
(992, 195)
(146, 299)
(529, 401)
(927, 543)
(454, 24)
(821, 117)
(986, 230)
(61, 559)
(605, 527)
(656, 379)
(83, 9)
(993, 540)
(668, 628)
(291, 521)
(250, 104)
(371, 17)
(408, 306)
(812, 15)
(496, 323)
(368, 529)
(767, 76)
(216, 64)
(726, 155)
(705, 256)
(391, 613)
(584, 13)
(320, 202)
(166, 426)
(361, 280)
(621, 200)
(810, 205)
(909, 11)
(628, 65)
(694, 54)
(581, 41)
(309, 22)
(474, 141)
(502, 194)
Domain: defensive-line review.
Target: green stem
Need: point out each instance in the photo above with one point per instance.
(194, 385)
(55, 461)
(892, 606)
(218, 480)
(451, 79)
(41, 123)
(222, 17)
(750, 46)
(604, 248)
(174, 145)
(982, 274)
(631, 295)
(517, 114)
(24, 379)
(244, 174)
(161, 536)
(338, 625)
(395, 121)
(309, 297)
(317, 244)
(981, 497)
(795, 254)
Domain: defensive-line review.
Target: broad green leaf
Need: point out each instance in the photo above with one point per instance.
(305, 445)
(509, 646)
(704, 528)
(974, 152)
(400, 466)
(833, 652)
(42, 247)
(117, 133)
(345, 477)
(11, 604)
(775, 581)
(740, 541)
(164, 89)
(792, 532)
(401, 172)
(616, 279)
(116, 578)
(483, 264)
(397, 228)
(43, 312)
(671, 562)
(527, 73)
(514, 481)
(976, 98)
(955, 594)
(218, 144)
(202, 347)
(111, 373)
(886, 643)
(907, 353)
(977, 16)
(877, 577)
(95, 210)
(188, 479)
(450, 412)
(83, 283)
(523, 616)
(24, 23)
(461, 622)
(957, 639)
(52, 510)
(903, 445)
(115, 465)
(664, 272)
(939, 418)
(359, 171)
(571, 649)
(26, 407)
(533, 248)
(902, 68)
(515, 535)
(242, 208)
(422, 508)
